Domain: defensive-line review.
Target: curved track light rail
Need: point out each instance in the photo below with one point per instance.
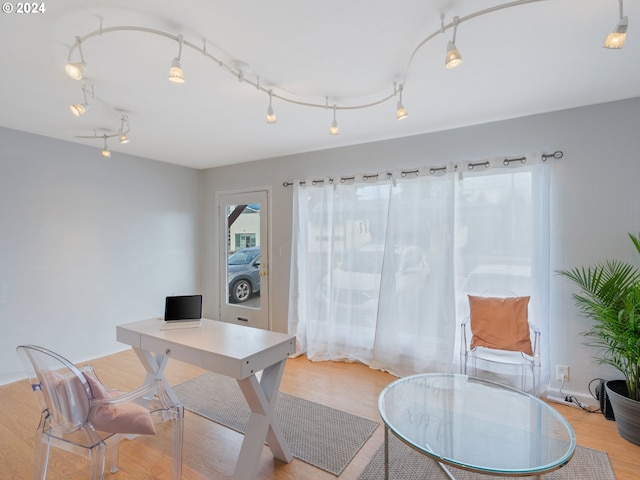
(269, 89)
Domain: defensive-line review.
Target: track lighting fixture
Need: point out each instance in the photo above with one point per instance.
(401, 112)
(176, 74)
(76, 70)
(618, 36)
(80, 108)
(122, 136)
(105, 151)
(333, 129)
(271, 116)
(453, 57)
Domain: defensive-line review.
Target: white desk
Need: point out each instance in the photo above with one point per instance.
(233, 350)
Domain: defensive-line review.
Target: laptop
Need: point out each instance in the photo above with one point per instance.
(182, 311)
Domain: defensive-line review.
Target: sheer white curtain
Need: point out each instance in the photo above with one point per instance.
(381, 264)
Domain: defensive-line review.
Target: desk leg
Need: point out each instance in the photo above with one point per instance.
(154, 365)
(261, 397)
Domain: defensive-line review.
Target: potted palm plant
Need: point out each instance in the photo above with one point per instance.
(609, 295)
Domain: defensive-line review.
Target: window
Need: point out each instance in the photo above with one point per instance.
(383, 268)
(244, 240)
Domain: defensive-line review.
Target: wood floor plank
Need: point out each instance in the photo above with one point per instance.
(210, 450)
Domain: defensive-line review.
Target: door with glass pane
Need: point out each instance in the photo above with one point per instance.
(244, 258)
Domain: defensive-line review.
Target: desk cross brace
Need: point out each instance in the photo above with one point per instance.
(261, 395)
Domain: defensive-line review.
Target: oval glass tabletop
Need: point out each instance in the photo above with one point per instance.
(477, 424)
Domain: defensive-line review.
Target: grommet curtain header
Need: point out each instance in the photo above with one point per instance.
(461, 168)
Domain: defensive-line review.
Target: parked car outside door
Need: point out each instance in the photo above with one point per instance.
(243, 274)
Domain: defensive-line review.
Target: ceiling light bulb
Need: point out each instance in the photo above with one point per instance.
(175, 72)
(271, 116)
(618, 36)
(333, 129)
(123, 138)
(75, 70)
(401, 112)
(78, 109)
(105, 151)
(453, 58)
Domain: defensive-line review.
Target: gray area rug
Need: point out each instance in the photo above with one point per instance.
(321, 436)
(407, 464)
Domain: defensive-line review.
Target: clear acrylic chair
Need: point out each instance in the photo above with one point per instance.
(503, 358)
(81, 416)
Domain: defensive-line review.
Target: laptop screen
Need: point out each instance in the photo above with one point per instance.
(183, 307)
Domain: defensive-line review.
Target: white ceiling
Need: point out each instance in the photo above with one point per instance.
(528, 59)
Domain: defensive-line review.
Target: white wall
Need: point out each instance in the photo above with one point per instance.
(595, 201)
(87, 243)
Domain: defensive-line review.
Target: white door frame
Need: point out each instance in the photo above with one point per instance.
(259, 317)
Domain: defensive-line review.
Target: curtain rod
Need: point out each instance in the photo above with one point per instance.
(433, 170)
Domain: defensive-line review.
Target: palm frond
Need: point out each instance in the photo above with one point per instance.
(609, 294)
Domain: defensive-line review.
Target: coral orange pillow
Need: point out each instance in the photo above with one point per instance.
(127, 417)
(500, 323)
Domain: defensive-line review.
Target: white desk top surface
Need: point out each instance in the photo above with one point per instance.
(227, 348)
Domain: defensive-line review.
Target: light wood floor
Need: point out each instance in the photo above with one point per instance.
(210, 451)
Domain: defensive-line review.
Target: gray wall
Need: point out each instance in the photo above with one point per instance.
(87, 243)
(595, 200)
(117, 235)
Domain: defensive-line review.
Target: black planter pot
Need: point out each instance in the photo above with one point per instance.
(626, 411)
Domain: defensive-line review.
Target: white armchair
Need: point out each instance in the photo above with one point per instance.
(499, 342)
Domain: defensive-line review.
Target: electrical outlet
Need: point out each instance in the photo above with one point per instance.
(562, 372)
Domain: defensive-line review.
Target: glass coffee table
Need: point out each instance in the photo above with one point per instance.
(475, 425)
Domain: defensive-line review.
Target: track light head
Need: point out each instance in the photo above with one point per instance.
(122, 137)
(333, 129)
(401, 112)
(453, 57)
(78, 109)
(618, 36)
(75, 70)
(105, 151)
(271, 116)
(176, 75)
(175, 72)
